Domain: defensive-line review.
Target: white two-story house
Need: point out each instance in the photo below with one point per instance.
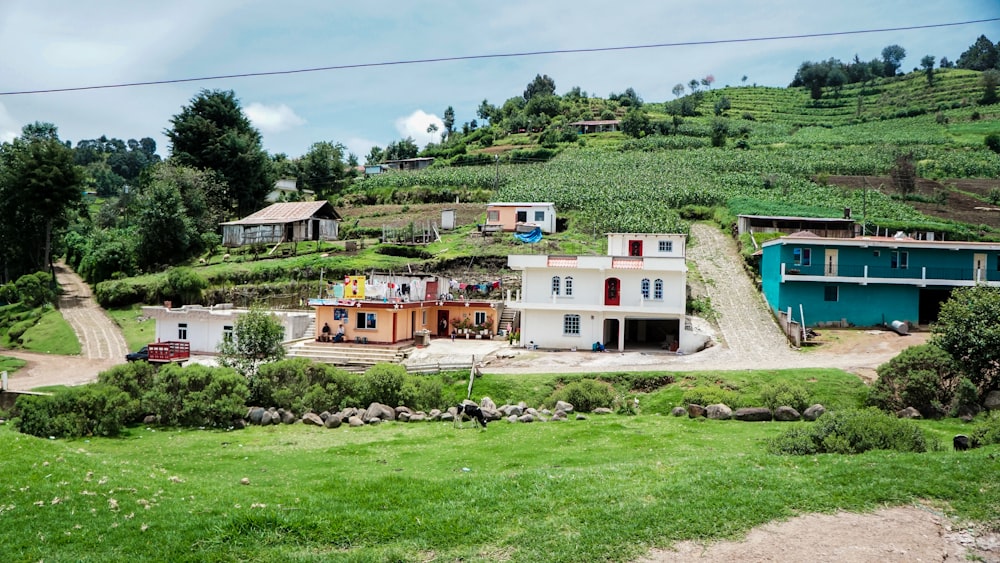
(631, 299)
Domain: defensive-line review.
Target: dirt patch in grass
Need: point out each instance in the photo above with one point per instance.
(402, 215)
(912, 533)
(964, 199)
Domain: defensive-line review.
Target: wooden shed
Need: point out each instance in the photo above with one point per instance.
(284, 222)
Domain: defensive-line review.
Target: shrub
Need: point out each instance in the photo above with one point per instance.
(134, 379)
(966, 399)
(403, 251)
(988, 431)
(922, 377)
(696, 212)
(184, 285)
(585, 395)
(992, 142)
(383, 383)
(785, 394)
(88, 410)
(197, 395)
(301, 385)
(715, 395)
(423, 392)
(850, 432)
(35, 289)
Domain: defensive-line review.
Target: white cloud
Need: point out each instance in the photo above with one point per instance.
(272, 119)
(415, 125)
(360, 147)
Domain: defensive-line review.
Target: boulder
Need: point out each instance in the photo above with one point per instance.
(512, 418)
(525, 418)
(491, 414)
(435, 414)
(239, 424)
(312, 418)
(564, 406)
(581, 416)
(678, 411)
(266, 418)
(559, 415)
(786, 414)
(814, 412)
(718, 411)
(447, 416)
(753, 414)
(403, 416)
(324, 415)
(695, 411)
(379, 411)
(487, 404)
(332, 421)
(531, 410)
(515, 410)
(375, 421)
(150, 419)
(417, 417)
(255, 415)
(992, 401)
(355, 421)
(909, 412)
(402, 409)
(288, 417)
(602, 410)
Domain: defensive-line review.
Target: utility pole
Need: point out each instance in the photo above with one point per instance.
(496, 180)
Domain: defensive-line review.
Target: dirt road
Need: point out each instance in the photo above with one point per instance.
(100, 338)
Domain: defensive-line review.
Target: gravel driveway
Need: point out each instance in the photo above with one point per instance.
(101, 341)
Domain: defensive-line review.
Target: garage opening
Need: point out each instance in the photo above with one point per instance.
(930, 304)
(652, 334)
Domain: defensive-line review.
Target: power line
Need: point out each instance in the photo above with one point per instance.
(494, 56)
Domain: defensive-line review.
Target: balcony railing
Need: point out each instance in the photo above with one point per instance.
(918, 275)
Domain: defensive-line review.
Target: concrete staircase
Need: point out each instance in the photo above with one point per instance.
(509, 316)
(348, 355)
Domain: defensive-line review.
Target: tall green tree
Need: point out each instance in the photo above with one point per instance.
(39, 185)
(165, 234)
(892, 58)
(927, 63)
(981, 55)
(212, 133)
(256, 339)
(542, 85)
(449, 121)
(989, 80)
(322, 169)
(968, 328)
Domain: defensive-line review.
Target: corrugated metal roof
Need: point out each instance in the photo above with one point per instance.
(288, 213)
(597, 122)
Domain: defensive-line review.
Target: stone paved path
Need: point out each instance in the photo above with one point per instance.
(749, 331)
(100, 338)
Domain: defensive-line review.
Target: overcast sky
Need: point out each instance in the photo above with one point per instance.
(52, 44)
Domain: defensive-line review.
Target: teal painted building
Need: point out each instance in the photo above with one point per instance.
(870, 281)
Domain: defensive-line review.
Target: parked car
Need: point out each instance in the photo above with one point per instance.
(142, 354)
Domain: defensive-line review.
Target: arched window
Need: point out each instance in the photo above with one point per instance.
(645, 288)
(555, 285)
(568, 285)
(658, 289)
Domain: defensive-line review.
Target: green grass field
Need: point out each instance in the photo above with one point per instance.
(603, 489)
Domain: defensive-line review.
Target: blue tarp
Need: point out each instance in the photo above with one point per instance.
(534, 235)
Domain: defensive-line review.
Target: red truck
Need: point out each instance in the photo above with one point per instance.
(163, 352)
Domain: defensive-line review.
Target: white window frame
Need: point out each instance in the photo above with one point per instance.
(571, 325)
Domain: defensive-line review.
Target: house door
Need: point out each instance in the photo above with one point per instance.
(612, 291)
(442, 323)
(315, 229)
(830, 261)
(979, 263)
(635, 248)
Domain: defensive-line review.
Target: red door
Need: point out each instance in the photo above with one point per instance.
(635, 248)
(612, 291)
